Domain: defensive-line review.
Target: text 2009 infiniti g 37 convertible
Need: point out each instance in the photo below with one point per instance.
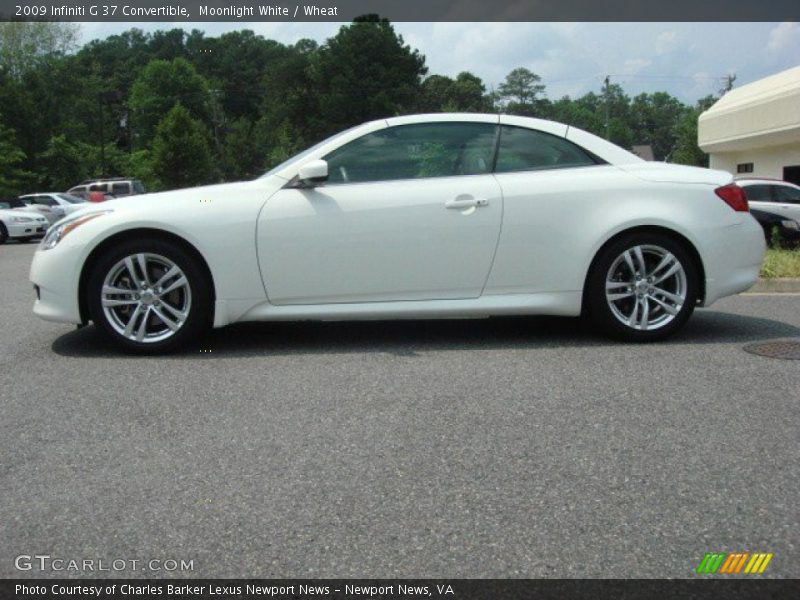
(419, 216)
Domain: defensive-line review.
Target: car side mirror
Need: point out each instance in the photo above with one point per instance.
(312, 174)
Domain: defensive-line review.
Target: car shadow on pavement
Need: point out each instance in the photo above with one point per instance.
(409, 338)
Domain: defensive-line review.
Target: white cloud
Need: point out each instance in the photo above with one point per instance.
(785, 35)
(666, 41)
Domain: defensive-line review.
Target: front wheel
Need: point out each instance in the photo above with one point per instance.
(150, 296)
(643, 287)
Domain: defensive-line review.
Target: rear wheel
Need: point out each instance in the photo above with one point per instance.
(150, 296)
(3, 234)
(643, 287)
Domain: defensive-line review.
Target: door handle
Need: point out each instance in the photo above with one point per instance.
(462, 203)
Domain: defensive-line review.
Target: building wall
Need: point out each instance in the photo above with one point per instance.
(767, 162)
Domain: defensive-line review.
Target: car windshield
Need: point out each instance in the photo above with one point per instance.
(306, 152)
(5, 205)
(72, 199)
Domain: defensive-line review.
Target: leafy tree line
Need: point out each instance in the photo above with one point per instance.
(177, 109)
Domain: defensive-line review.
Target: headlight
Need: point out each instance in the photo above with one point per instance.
(790, 224)
(56, 233)
(22, 219)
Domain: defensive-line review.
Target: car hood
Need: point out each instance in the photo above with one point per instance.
(668, 173)
(143, 202)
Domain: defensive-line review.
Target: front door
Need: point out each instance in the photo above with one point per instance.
(410, 212)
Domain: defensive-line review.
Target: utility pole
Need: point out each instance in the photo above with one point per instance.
(607, 94)
(727, 85)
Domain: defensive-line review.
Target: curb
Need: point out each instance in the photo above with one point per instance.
(776, 285)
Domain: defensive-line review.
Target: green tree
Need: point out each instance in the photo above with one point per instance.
(435, 93)
(614, 107)
(577, 113)
(181, 156)
(654, 120)
(159, 86)
(116, 60)
(235, 64)
(465, 93)
(687, 152)
(521, 92)
(366, 71)
(243, 151)
(62, 164)
(142, 167)
(290, 96)
(282, 147)
(11, 176)
(25, 44)
(168, 45)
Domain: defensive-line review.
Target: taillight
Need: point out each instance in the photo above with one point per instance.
(733, 196)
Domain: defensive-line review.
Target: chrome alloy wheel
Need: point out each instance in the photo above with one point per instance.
(146, 297)
(646, 287)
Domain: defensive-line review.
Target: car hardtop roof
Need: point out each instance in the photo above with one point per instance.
(598, 146)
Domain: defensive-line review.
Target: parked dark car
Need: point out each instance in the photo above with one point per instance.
(787, 229)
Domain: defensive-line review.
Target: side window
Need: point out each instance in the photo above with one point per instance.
(758, 193)
(38, 201)
(784, 193)
(98, 187)
(120, 188)
(529, 150)
(414, 152)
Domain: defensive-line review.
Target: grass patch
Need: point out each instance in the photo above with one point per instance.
(781, 263)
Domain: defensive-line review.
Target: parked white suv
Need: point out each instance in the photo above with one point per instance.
(117, 187)
(772, 195)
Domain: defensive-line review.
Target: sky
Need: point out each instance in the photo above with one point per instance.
(688, 60)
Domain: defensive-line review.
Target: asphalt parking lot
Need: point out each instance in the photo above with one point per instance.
(483, 448)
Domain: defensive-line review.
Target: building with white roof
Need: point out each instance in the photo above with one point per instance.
(754, 130)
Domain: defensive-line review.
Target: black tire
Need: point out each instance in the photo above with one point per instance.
(3, 234)
(198, 319)
(600, 307)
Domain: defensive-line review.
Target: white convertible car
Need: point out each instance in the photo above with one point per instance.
(425, 216)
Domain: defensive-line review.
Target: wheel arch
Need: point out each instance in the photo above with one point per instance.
(678, 237)
(133, 234)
